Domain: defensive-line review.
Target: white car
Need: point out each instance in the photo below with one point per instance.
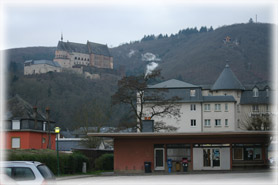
(28, 172)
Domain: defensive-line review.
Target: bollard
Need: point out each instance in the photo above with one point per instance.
(84, 168)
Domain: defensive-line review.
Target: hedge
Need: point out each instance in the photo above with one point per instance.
(68, 163)
(105, 162)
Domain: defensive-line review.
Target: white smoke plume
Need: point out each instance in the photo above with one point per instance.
(150, 67)
(131, 53)
(149, 57)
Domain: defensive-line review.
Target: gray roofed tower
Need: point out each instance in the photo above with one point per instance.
(227, 81)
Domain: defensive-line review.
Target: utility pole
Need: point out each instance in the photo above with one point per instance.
(256, 18)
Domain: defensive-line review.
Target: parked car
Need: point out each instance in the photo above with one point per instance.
(28, 172)
(6, 180)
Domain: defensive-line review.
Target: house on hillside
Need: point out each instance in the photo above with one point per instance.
(210, 133)
(40, 66)
(26, 127)
(91, 54)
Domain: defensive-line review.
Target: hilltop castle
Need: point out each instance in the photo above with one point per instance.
(92, 54)
(70, 55)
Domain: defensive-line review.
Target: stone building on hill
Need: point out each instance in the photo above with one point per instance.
(40, 66)
(91, 54)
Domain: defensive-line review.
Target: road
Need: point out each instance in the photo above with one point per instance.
(254, 178)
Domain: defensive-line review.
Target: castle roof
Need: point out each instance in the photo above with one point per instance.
(98, 49)
(227, 81)
(47, 62)
(89, 48)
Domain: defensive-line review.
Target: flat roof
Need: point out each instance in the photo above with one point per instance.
(184, 135)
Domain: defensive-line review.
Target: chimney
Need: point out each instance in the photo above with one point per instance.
(35, 113)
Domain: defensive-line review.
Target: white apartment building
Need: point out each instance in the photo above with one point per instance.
(223, 107)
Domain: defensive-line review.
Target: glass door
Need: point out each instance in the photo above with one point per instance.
(211, 157)
(159, 163)
(215, 157)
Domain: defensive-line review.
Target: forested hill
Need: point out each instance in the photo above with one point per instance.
(199, 57)
(194, 56)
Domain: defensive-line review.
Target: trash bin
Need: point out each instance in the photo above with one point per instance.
(184, 164)
(147, 167)
(169, 164)
(178, 166)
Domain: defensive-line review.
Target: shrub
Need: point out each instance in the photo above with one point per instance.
(68, 163)
(105, 162)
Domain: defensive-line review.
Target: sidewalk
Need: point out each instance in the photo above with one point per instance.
(161, 173)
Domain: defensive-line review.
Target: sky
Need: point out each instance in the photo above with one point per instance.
(117, 22)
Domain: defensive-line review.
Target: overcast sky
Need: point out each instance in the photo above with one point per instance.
(116, 22)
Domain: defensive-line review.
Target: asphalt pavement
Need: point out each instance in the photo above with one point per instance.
(252, 177)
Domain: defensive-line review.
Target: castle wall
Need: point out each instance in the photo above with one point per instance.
(39, 69)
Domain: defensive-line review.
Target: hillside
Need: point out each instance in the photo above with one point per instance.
(200, 57)
(72, 99)
(193, 56)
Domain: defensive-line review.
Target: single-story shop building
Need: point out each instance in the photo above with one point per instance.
(204, 151)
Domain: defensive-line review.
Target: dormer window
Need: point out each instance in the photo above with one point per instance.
(255, 92)
(192, 92)
(267, 92)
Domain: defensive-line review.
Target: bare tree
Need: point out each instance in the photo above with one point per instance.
(258, 122)
(146, 102)
(90, 117)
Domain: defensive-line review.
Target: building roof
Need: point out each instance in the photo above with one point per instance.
(227, 81)
(173, 83)
(176, 94)
(248, 99)
(17, 108)
(89, 48)
(219, 99)
(196, 135)
(98, 49)
(73, 47)
(47, 62)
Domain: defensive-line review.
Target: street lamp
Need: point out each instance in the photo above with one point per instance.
(57, 131)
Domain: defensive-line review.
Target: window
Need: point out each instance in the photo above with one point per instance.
(252, 153)
(193, 92)
(46, 173)
(226, 122)
(217, 107)
(207, 122)
(267, 108)
(193, 123)
(15, 125)
(226, 107)
(238, 153)
(23, 173)
(255, 108)
(267, 92)
(8, 171)
(15, 142)
(255, 92)
(193, 107)
(207, 107)
(218, 122)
